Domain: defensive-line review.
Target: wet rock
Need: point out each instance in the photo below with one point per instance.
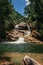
(11, 38)
(12, 35)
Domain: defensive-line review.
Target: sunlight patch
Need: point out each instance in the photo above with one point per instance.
(27, 2)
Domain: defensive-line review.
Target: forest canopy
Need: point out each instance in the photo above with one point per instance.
(35, 15)
(33, 11)
(7, 15)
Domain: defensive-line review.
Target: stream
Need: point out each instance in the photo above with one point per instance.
(21, 39)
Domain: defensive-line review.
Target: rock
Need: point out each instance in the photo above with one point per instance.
(11, 38)
(23, 26)
(29, 61)
(12, 35)
(35, 33)
(28, 38)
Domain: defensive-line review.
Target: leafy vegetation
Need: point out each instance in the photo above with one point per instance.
(5, 11)
(8, 16)
(35, 14)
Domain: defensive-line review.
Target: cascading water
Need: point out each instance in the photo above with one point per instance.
(21, 39)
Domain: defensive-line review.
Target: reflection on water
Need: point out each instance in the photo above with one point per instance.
(22, 48)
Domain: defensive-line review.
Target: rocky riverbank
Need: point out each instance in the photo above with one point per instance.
(21, 36)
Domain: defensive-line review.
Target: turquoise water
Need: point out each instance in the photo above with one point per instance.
(22, 48)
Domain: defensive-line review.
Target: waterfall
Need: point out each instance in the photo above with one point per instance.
(20, 40)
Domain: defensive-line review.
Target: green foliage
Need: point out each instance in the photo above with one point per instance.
(35, 13)
(5, 11)
(11, 26)
(2, 34)
(35, 10)
(8, 16)
(17, 17)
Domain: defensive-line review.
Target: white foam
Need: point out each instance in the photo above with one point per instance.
(19, 41)
(16, 26)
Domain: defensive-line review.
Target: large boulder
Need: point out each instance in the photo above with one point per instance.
(29, 61)
(23, 26)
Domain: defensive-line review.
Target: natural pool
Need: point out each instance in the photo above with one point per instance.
(22, 48)
(17, 52)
